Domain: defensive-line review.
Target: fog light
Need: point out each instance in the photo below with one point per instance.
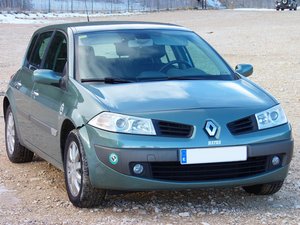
(138, 169)
(275, 160)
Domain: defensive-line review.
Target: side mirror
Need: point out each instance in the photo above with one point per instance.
(48, 77)
(244, 69)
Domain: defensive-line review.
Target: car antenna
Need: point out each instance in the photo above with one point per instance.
(87, 12)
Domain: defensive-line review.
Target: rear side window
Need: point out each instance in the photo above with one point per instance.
(30, 49)
(40, 49)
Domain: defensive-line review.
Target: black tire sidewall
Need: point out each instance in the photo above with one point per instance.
(20, 154)
(88, 195)
(264, 189)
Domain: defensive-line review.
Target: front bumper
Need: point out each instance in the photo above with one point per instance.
(119, 176)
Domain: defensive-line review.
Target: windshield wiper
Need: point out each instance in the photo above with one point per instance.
(171, 78)
(107, 80)
(186, 78)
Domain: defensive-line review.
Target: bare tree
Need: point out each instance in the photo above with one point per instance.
(15, 4)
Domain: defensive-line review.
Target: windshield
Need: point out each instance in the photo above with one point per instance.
(137, 55)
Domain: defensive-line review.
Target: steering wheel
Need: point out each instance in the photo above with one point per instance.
(169, 64)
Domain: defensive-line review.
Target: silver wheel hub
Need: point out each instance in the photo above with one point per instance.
(74, 169)
(10, 133)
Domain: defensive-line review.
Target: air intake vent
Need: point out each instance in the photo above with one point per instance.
(243, 126)
(164, 128)
(174, 171)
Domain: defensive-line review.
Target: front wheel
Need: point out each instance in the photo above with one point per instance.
(80, 190)
(15, 151)
(264, 189)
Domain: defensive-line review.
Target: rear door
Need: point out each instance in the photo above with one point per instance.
(47, 102)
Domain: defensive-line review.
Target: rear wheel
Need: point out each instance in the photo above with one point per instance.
(15, 151)
(80, 190)
(264, 189)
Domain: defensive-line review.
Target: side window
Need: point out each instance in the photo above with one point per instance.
(40, 49)
(57, 55)
(30, 49)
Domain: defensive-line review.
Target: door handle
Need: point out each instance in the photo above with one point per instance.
(35, 94)
(18, 85)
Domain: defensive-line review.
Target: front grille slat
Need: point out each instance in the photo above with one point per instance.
(213, 174)
(171, 129)
(252, 168)
(243, 126)
(174, 171)
(208, 177)
(213, 165)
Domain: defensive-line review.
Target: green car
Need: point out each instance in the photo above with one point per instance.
(134, 106)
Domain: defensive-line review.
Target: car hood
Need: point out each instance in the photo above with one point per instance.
(180, 95)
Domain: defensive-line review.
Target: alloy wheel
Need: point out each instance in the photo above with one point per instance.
(74, 169)
(10, 133)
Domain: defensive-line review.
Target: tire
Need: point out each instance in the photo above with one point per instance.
(282, 9)
(80, 190)
(15, 151)
(264, 189)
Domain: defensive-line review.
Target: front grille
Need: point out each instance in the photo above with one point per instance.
(174, 171)
(164, 128)
(243, 126)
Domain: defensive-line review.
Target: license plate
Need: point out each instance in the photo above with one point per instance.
(213, 155)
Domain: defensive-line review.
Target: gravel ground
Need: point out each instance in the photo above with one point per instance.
(34, 193)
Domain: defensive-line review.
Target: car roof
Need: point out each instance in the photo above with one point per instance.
(109, 25)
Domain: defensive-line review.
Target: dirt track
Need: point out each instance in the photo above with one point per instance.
(34, 193)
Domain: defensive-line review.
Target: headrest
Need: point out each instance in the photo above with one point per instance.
(86, 51)
(122, 49)
(155, 51)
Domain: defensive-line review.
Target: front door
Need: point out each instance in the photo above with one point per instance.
(47, 102)
(23, 83)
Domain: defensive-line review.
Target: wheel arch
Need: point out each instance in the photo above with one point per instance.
(66, 128)
(6, 103)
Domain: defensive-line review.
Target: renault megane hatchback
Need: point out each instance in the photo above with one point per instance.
(142, 106)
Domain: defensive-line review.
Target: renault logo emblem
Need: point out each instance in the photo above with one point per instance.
(211, 128)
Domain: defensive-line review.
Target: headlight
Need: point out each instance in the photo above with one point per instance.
(123, 124)
(271, 117)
